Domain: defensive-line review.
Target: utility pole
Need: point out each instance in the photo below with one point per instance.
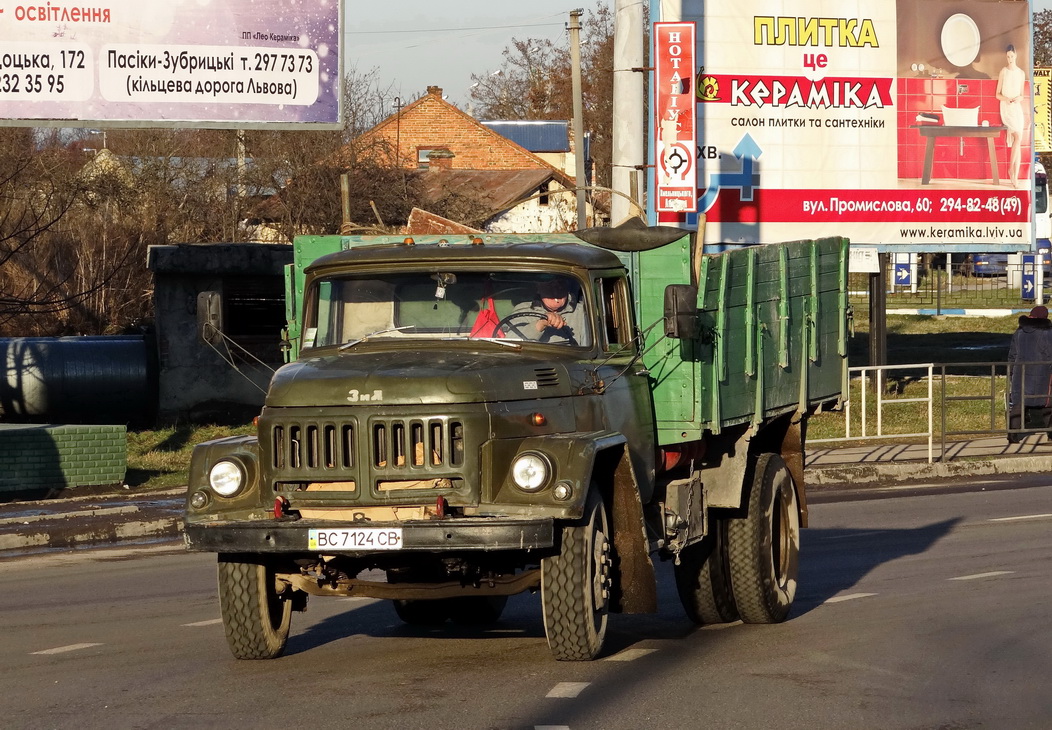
(578, 113)
(629, 130)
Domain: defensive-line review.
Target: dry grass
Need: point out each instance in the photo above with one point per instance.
(161, 457)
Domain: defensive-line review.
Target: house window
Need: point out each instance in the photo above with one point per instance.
(544, 189)
(422, 153)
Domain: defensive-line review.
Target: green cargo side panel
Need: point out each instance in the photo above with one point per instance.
(771, 338)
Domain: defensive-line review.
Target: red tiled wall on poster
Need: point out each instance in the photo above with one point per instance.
(928, 96)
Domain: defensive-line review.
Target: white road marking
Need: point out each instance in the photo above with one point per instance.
(1020, 517)
(629, 655)
(977, 576)
(209, 622)
(64, 649)
(567, 690)
(849, 597)
(852, 535)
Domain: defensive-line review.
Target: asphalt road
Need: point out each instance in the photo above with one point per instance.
(918, 608)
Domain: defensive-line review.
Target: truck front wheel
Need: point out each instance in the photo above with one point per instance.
(703, 579)
(764, 545)
(255, 618)
(575, 587)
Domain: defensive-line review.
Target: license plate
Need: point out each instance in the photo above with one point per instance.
(358, 538)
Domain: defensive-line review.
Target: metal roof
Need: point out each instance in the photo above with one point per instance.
(534, 135)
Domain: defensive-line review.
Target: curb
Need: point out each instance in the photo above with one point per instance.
(91, 521)
(882, 474)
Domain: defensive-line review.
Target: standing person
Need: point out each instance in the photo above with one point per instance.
(1030, 373)
(1011, 83)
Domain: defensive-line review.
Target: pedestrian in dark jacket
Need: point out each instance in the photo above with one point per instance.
(1030, 374)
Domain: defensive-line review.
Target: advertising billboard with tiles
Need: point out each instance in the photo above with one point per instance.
(186, 63)
(904, 123)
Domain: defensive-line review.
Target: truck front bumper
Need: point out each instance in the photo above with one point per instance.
(455, 534)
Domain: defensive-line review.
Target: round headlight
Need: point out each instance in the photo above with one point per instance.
(531, 472)
(226, 478)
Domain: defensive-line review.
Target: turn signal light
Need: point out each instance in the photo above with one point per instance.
(538, 419)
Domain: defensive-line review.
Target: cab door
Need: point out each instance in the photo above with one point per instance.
(627, 398)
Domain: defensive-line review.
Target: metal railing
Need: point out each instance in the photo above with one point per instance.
(972, 400)
(877, 374)
(1006, 284)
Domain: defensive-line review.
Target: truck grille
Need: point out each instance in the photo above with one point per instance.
(390, 446)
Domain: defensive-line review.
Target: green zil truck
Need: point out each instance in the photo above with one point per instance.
(432, 443)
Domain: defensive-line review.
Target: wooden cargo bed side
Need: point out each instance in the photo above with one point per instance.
(771, 339)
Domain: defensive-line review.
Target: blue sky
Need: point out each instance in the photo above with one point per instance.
(418, 43)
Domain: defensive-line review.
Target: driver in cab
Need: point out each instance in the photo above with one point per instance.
(555, 315)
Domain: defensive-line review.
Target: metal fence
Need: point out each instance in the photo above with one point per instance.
(997, 281)
(928, 403)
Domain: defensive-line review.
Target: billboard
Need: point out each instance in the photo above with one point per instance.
(903, 123)
(1042, 110)
(194, 63)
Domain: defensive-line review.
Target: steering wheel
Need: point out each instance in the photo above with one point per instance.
(506, 321)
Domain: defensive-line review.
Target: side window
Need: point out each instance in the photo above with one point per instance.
(614, 306)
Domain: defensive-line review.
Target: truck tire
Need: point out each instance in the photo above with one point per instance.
(764, 545)
(575, 586)
(422, 612)
(466, 610)
(255, 618)
(477, 610)
(703, 579)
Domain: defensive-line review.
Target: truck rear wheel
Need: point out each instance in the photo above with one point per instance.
(422, 613)
(477, 610)
(465, 610)
(703, 579)
(764, 545)
(575, 587)
(255, 618)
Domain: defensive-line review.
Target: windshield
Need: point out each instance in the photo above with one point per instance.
(519, 306)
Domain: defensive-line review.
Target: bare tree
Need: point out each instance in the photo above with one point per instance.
(534, 82)
(1043, 38)
(36, 193)
(307, 166)
(75, 226)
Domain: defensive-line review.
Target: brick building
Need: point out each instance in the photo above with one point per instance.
(455, 153)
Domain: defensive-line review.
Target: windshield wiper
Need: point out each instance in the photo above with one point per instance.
(384, 331)
(513, 344)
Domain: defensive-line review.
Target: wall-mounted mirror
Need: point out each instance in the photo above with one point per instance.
(960, 39)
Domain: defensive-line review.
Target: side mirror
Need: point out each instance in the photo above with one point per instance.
(681, 311)
(210, 317)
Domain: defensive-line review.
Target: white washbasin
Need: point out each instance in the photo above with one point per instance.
(960, 116)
